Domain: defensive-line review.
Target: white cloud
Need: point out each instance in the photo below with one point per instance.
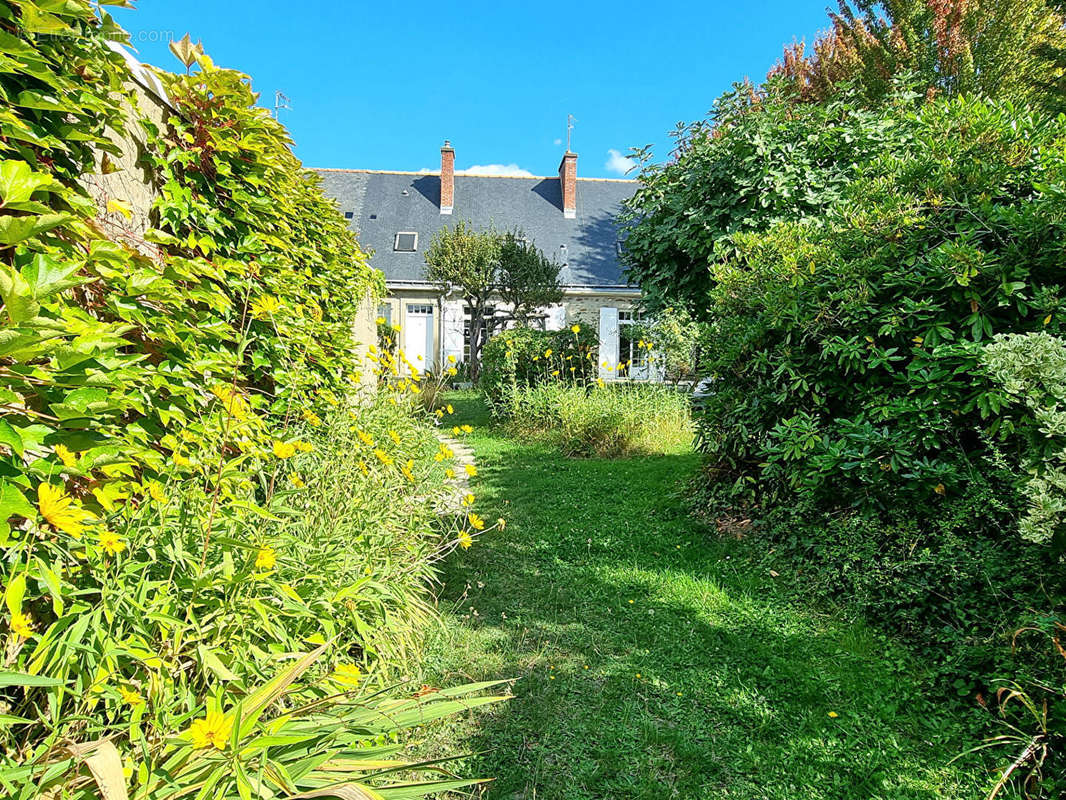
(618, 163)
(504, 170)
(557, 142)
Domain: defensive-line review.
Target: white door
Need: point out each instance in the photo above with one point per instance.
(418, 337)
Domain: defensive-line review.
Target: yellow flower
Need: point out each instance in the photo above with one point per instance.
(364, 468)
(181, 461)
(383, 457)
(453, 371)
(379, 321)
(311, 418)
(347, 674)
(265, 307)
(155, 491)
(939, 489)
(408, 471)
(20, 625)
(471, 470)
(211, 731)
(501, 523)
(555, 372)
(548, 353)
(297, 481)
(449, 473)
(61, 511)
(365, 438)
(456, 431)
(284, 449)
(395, 437)
(302, 446)
(468, 429)
(111, 542)
(266, 558)
(476, 522)
(236, 406)
(451, 359)
(575, 328)
(468, 499)
(130, 697)
(66, 455)
(465, 540)
(833, 715)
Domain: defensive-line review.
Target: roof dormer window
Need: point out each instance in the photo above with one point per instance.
(406, 242)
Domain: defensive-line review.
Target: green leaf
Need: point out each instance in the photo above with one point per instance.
(16, 293)
(9, 436)
(13, 502)
(24, 679)
(16, 229)
(14, 593)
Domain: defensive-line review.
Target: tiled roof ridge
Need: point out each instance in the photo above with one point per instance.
(461, 174)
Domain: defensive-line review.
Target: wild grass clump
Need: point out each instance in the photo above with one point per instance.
(608, 421)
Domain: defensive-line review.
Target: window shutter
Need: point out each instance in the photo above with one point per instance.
(608, 341)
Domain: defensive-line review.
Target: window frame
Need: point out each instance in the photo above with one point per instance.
(396, 242)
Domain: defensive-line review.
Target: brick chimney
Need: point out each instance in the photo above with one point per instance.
(568, 183)
(447, 178)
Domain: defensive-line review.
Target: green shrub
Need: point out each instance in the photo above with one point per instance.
(190, 503)
(853, 417)
(1032, 371)
(525, 357)
(606, 421)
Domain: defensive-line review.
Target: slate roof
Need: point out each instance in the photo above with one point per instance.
(385, 203)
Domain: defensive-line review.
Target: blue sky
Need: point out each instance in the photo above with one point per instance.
(380, 85)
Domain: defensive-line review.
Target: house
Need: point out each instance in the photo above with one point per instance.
(571, 219)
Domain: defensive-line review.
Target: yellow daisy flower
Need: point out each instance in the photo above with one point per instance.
(111, 542)
(476, 522)
(61, 511)
(130, 697)
(471, 470)
(465, 540)
(21, 625)
(266, 558)
(211, 731)
(284, 449)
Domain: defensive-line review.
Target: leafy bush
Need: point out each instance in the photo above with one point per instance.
(609, 420)
(853, 417)
(1032, 370)
(525, 357)
(190, 504)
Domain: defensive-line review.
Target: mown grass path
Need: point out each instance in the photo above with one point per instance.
(653, 662)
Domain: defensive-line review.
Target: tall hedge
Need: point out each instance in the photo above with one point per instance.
(115, 365)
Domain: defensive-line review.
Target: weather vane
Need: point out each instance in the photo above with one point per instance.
(569, 127)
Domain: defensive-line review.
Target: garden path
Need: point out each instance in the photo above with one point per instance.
(655, 661)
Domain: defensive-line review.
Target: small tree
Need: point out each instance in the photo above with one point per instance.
(527, 279)
(468, 260)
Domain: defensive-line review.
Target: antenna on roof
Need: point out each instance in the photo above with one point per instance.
(281, 103)
(569, 127)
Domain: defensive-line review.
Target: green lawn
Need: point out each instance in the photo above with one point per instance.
(653, 662)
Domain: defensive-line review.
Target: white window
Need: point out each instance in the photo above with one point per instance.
(629, 350)
(406, 242)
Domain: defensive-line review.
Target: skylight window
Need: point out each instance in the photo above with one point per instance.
(406, 242)
(349, 214)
